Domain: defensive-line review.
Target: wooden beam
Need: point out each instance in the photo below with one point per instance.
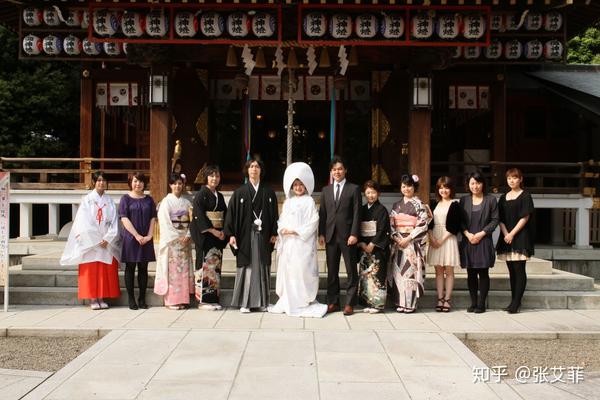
(419, 149)
(86, 110)
(498, 101)
(159, 152)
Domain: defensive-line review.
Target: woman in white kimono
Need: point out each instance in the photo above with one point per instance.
(297, 270)
(94, 243)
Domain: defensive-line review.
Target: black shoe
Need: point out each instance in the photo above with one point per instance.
(514, 309)
(471, 308)
(479, 310)
(132, 305)
(142, 304)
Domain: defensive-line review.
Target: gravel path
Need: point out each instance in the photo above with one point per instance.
(537, 353)
(41, 353)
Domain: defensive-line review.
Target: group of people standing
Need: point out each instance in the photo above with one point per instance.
(385, 253)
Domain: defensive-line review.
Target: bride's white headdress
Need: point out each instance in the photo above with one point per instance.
(301, 171)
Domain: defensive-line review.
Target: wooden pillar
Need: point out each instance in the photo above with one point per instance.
(159, 152)
(499, 130)
(86, 109)
(419, 149)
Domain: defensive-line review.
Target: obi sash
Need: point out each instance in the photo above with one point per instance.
(368, 228)
(216, 218)
(404, 222)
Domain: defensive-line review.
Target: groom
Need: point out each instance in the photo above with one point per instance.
(339, 224)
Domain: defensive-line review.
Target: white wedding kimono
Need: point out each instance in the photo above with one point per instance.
(96, 220)
(297, 269)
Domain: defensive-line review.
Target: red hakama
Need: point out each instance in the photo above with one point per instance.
(99, 280)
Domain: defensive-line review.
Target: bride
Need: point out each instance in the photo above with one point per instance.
(297, 270)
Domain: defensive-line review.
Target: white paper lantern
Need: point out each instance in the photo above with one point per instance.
(494, 50)
(448, 26)
(132, 24)
(32, 45)
(497, 22)
(186, 24)
(91, 48)
(73, 17)
(457, 52)
(51, 17)
(553, 50)
(212, 24)
(366, 26)
(112, 49)
(392, 26)
(52, 45)
(512, 22)
(533, 21)
(533, 49)
(513, 50)
(553, 21)
(340, 26)
(32, 16)
(472, 52)
(474, 26)
(85, 19)
(263, 25)
(238, 25)
(157, 24)
(105, 22)
(315, 24)
(422, 26)
(72, 45)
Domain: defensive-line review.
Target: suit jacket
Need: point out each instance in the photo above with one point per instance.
(342, 219)
(489, 213)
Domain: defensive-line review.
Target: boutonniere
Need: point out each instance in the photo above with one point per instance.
(241, 200)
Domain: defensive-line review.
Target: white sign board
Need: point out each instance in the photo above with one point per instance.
(4, 233)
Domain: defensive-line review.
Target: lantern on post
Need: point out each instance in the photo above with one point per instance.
(158, 89)
(422, 91)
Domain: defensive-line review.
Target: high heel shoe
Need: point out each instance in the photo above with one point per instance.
(448, 307)
(514, 309)
(440, 305)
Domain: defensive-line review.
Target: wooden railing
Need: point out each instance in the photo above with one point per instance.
(70, 173)
(558, 178)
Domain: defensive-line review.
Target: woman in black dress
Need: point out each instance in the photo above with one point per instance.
(515, 244)
(480, 219)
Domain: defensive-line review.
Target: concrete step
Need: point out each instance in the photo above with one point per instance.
(558, 281)
(460, 298)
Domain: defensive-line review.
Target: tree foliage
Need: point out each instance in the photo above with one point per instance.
(39, 104)
(585, 48)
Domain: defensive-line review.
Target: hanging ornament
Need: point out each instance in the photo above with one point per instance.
(248, 60)
(343, 60)
(260, 58)
(212, 24)
(238, 25)
(366, 26)
(474, 26)
(311, 57)
(472, 52)
(91, 48)
(157, 24)
(263, 25)
(72, 45)
(448, 26)
(457, 52)
(125, 48)
(315, 24)
(105, 22)
(534, 49)
(112, 49)
(553, 50)
(494, 50)
(340, 26)
(292, 61)
(513, 50)
(392, 26)
(279, 64)
(231, 58)
(32, 45)
(353, 59)
(186, 24)
(51, 16)
(497, 22)
(32, 16)
(533, 21)
(422, 26)
(52, 45)
(324, 59)
(132, 24)
(553, 21)
(85, 19)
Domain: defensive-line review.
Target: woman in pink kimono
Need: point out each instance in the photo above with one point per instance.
(408, 221)
(174, 274)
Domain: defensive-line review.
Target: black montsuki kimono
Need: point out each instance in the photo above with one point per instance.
(373, 267)
(209, 249)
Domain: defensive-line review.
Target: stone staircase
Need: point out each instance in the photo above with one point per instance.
(39, 279)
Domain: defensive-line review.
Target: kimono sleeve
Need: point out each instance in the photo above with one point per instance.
(382, 235)
(200, 221)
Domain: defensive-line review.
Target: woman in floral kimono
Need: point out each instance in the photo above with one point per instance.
(94, 243)
(408, 220)
(374, 250)
(174, 275)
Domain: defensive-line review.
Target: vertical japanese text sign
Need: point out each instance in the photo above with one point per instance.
(4, 233)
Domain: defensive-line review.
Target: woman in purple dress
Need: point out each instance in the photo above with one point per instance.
(138, 215)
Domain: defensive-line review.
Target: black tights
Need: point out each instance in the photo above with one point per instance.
(478, 279)
(142, 279)
(518, 281)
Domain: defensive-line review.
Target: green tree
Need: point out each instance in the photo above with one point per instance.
(39, 104)
(585, 48)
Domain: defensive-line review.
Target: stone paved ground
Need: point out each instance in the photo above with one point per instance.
(164, 354)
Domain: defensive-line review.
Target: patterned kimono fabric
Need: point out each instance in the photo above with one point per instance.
(408, 219)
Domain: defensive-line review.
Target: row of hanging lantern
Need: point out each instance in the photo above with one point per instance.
(71, 45)
(532, 21)
(52, 16)
(513, 50)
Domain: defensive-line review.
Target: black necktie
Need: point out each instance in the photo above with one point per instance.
(337, 193)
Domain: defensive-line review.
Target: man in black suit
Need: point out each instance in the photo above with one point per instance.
(339, 224)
